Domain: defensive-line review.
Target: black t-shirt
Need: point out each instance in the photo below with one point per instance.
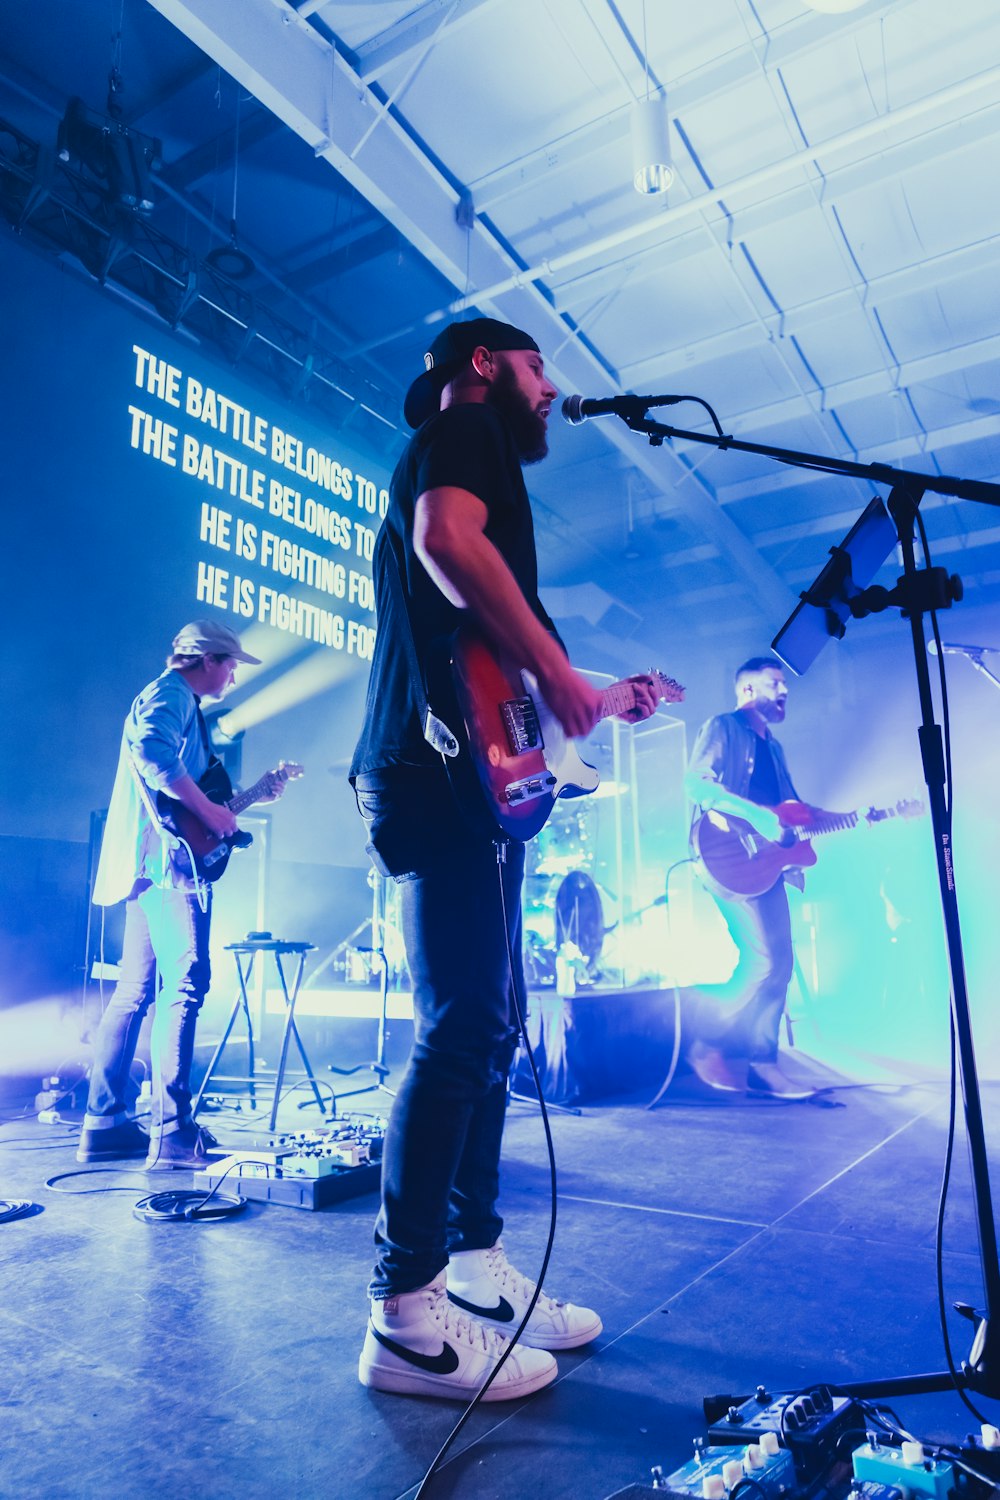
(763, 788)
(469, 447)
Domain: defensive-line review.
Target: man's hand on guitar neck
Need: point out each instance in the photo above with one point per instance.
(647, 696)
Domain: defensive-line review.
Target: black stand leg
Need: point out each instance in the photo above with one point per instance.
(379, 1067)
(241, 1002)
(288, 1031)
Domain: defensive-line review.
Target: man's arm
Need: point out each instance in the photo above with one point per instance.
(154, 740)
(449, 538)
(217, 818)
(703, 785)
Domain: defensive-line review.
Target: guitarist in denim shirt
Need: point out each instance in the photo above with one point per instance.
(167, 910)
(458, 545)
(737, 767)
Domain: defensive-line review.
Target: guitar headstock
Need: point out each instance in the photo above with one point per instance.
(910, 807)
(669, 689)
(285, 770)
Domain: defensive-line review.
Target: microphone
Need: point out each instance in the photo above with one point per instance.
(577, 409)
(952, 648)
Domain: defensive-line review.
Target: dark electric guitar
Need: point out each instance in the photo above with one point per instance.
(513, 757)
(211, 853)
(734, 860)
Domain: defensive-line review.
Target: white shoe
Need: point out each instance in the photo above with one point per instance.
(485, 1284)
(418, 1344)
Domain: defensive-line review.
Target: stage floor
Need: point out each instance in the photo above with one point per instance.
(726, 1242)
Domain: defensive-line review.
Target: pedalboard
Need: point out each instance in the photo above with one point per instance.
(304, 1168)
(809, 1425)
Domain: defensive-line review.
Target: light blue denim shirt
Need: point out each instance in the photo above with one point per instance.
(162, 739)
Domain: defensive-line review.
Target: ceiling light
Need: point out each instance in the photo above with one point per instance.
(651, 169)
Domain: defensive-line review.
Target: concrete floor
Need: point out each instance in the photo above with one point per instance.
(724, 1243)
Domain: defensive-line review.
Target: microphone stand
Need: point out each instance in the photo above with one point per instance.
(917, 592)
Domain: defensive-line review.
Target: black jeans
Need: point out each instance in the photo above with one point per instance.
(743, 1016)
(440, 1170)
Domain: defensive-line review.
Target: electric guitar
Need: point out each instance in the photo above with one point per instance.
(512, 759)
(734, 860)
(211, 853)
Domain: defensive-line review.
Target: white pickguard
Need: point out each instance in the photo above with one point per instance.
(573, 775)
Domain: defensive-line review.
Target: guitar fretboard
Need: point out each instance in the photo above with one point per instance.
(620, 697)
(261, 788)
(830, 824)
(833, 822)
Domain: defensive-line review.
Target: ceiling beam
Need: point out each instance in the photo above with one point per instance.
(716, 80)
(303, 79)
(410, 34)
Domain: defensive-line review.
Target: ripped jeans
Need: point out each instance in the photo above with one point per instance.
(440, 1168)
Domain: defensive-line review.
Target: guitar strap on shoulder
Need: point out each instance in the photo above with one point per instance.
(435, 730)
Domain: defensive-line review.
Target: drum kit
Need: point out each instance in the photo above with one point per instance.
(563, 910)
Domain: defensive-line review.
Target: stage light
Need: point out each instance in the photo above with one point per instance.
(119, 158)
(651, 169)
(320, 671)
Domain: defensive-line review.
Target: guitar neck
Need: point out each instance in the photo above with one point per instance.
(617, 699)
(252, 794)
(831, 823)
(834, 822)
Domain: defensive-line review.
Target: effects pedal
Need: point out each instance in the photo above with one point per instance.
(905, 1468)
(714, 1473)
(809, 1424)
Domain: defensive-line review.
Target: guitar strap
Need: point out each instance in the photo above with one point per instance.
(213, 759)
(436, 732)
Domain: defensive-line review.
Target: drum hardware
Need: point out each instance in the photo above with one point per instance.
(563, 925)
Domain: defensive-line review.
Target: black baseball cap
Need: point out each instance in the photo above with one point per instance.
(450, 351)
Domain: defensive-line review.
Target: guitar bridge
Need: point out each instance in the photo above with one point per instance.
(529, 788)
(520, 719)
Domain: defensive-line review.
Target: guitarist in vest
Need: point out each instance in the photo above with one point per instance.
(738, 768)
(167, 912)
(457, 545)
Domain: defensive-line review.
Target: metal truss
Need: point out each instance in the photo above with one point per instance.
(61, 209)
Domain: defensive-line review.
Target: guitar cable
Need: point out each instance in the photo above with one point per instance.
(520, 1012)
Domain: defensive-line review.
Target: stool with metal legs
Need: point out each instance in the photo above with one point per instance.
(249, 949)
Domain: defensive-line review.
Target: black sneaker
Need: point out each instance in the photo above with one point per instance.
(188, 1148)
(116, 1143)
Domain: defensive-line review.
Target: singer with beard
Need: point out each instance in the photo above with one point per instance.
(457, 542)
(738, 767)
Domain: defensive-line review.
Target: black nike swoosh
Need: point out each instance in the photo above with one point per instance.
(503, 1312)
(445, 1363)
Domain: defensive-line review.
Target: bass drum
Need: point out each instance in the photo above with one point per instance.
(580, 915)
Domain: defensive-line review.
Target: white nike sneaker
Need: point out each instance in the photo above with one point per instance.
(418, 1344)
(484, 1284)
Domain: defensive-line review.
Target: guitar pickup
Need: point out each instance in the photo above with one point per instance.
(520, 719)
(529, 788)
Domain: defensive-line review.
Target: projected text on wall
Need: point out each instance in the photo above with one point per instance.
(288, 531)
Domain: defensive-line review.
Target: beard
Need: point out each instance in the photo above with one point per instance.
(527, 428)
